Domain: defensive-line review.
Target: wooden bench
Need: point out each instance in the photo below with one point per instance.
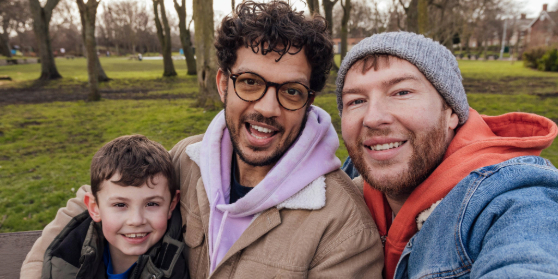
(13, 249)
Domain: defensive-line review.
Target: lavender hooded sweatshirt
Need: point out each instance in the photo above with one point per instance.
(310, 157)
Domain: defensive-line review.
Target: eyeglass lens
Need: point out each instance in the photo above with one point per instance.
(251, 87)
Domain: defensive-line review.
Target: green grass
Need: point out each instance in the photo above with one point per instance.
(46, 149)
(76, 69)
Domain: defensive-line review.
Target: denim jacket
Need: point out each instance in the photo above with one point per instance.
(501, 221)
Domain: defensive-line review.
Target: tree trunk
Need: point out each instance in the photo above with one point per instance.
(88, 14)
(164, 36)
(185, 37)
(232, 5)
(101, 75)
(344, 28)
(328, 12)
(313, 6)
(411, 21)
(422, 19)
(4, 46)
(206, 60)
(41, 20)
(5, 38)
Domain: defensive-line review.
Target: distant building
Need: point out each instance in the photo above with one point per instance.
(517, 31)
(543, 30)
(351, 42)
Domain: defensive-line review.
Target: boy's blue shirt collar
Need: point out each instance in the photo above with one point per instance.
(108, 263)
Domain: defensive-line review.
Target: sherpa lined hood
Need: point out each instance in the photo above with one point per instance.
(296, 181)
(482, 141)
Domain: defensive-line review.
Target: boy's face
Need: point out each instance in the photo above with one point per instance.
(134, 218)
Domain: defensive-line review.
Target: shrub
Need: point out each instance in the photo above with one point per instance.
(531, 57)
(549, 61)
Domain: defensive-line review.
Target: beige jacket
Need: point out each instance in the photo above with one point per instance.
(339, 240)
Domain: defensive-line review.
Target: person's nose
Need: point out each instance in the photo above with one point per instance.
(378, 114)
(136, 217)
(268, 105)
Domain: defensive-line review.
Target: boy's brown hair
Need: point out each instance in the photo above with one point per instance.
(136, 159)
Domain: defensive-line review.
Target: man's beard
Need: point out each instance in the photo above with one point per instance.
(280, 149)
(428, 153)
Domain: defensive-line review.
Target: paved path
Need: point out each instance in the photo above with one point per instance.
(13, 249)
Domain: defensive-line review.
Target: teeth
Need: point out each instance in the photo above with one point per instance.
(135, 235)
(386, 146)
(261, 129)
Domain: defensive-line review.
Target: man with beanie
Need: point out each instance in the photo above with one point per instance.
(454, 194)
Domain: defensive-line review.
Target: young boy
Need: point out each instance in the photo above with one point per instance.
(131, 228)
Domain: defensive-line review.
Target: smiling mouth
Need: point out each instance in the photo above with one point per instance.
(385, 146)
(135, 235)
(260, 132)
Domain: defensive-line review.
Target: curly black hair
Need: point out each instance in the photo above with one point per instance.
(275, 26)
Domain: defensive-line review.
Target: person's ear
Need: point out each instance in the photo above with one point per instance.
(453, 120)
(92, 207)
(222, 80)
(311, 99)
(173, 203)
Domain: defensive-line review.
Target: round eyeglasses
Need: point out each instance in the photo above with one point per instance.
(251, 87)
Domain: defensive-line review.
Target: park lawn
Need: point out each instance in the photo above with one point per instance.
(126, 75)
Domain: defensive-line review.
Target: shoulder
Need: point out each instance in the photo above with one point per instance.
(511, 179)
(341, 192)
(64, 253)
(345, 209)
(180, 148)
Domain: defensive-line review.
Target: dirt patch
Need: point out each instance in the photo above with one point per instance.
(43, 95)
(510, 85)
(546, 95)
(28, 123)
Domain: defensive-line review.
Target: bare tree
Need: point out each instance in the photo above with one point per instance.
(164, 35)
(41, 19)
(12, 13)
(313, 6)
(206, 59)
(88, 14)
(346, 5)
(185, 37)
(233, 5)
(328, 13)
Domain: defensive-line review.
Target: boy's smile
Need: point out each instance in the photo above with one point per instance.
(133, 218)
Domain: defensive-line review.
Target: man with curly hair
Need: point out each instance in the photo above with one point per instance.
(262, 194)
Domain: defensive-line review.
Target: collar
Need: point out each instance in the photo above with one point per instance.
(311, 197)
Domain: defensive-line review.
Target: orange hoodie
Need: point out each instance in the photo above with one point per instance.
(481, 141)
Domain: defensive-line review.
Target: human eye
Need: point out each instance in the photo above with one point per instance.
(119, 204)
(152, 204)
(250, 81)
(402, 93)
(292, 91)
(355, 102)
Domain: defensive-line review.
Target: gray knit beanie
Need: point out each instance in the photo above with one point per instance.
(435, 62)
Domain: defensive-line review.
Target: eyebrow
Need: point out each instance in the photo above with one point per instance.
(299, 80)
(397, 80)
(387, 83)
(127, 199)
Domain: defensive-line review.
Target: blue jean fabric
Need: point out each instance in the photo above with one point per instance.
(349, 168)
(501, 221)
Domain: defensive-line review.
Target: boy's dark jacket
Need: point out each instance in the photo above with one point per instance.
(77, 252)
